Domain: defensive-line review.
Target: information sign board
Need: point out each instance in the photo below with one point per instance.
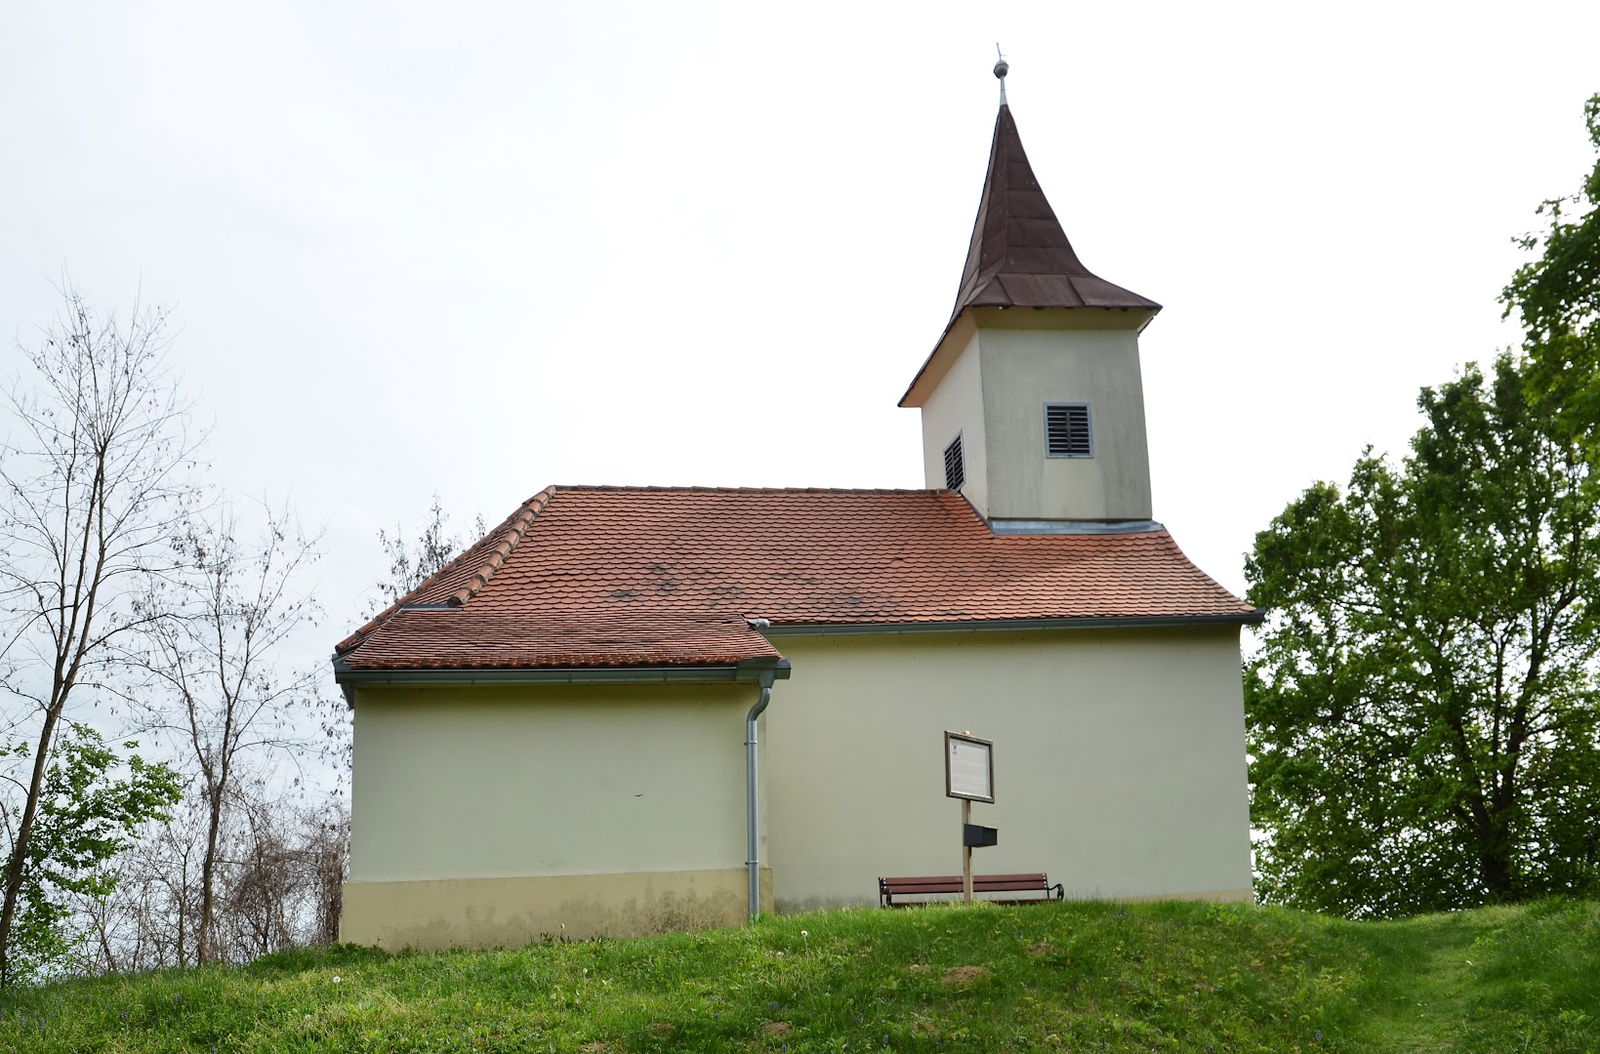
(968, 767)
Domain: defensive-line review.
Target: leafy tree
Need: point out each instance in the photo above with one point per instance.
(92, 483)
(1422, 713)
(1556, 297)
(85, 817)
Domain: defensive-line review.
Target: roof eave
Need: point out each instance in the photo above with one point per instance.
(753, 671)
(827, 629)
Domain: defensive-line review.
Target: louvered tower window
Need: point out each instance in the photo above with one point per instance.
(955, 469)
(1066, 430)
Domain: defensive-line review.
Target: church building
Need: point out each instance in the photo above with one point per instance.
(637, 709)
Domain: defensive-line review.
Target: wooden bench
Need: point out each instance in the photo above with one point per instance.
(889, 888)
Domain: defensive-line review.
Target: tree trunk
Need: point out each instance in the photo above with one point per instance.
(1495, 864)
(16, 864)
(208, 872)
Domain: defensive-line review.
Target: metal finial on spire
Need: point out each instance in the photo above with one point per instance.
(1000, 71)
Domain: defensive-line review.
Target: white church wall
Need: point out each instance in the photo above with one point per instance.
(499, 815)
(1119, 761)
(502, 815)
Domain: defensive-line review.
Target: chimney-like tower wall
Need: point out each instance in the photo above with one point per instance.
(1026, 370)
(1013, 365)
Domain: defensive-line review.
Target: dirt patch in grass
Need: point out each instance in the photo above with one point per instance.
(963, 976)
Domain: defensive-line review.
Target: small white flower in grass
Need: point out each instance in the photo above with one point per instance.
(335, 978)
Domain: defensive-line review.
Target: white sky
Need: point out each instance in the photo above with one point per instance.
(478, 248)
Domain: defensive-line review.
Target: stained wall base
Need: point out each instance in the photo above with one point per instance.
(512, 912)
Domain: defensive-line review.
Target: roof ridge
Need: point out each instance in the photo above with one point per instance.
(515, 528)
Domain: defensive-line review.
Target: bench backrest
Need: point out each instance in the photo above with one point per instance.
(952, 883)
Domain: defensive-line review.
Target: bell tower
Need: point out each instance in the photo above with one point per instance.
(1032, 403)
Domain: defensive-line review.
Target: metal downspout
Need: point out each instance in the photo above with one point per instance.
(752, 804)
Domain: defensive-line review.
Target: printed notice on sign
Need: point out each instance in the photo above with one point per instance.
(968, 767)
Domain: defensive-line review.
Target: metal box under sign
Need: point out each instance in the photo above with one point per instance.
(976, 836)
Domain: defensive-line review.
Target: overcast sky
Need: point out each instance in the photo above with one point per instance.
(478, 248)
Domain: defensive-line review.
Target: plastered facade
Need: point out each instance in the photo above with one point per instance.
(1119, 761)
(956, 408)
(484, 815)
(500, 815)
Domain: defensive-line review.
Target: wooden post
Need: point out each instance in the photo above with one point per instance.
(966, 853)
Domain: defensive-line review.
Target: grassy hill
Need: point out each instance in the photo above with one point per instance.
(1083, 977)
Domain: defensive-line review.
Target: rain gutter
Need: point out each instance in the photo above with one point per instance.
(752, 802)
(762, 671)
(832, 629)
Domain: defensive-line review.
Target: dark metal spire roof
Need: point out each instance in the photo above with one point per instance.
(1020, 256)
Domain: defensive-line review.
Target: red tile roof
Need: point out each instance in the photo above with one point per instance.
(460, 639)
(619, 576)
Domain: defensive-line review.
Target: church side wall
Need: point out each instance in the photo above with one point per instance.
(500, 815)
(1119, 762)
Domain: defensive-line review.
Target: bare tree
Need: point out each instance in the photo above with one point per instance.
(145, 922)
(279, 872)
(219, 695)
(325, 853)
(92, 483)
(413, 559)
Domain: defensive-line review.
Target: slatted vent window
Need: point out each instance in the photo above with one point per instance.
(1066, 430)
(955, 469)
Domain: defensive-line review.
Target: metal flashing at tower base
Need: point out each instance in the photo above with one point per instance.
(1073, 526)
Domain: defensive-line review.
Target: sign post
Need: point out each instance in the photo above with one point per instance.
(966, 853)
(968, 775)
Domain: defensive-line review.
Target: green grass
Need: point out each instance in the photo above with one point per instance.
(1081, 977)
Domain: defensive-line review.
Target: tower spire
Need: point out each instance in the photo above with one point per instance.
(1019, 255)
(1001, 68)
